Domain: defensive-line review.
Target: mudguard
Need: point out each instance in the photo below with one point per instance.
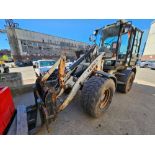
(107, 75)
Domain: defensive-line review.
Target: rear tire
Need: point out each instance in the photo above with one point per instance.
(97, 95)
(128, 79)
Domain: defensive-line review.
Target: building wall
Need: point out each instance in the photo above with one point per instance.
(149, 51)
(29, 45)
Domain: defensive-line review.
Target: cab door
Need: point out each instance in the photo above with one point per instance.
(135, 47)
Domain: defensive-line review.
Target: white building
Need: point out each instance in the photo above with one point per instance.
(28, 45)
(149, 51)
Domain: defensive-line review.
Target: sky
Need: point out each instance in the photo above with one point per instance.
(76, 29)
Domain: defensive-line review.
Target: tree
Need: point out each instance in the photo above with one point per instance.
(4, 58)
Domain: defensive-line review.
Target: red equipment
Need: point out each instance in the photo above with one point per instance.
(7, 108)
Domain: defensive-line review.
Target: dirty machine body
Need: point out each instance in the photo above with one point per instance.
(107, 65)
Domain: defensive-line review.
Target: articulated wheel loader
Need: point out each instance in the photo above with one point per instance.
(107, 65)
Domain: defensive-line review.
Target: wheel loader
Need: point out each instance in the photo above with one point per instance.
(107, 65)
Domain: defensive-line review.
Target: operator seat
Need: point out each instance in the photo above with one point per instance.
(110, 59)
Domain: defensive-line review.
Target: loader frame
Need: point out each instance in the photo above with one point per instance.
(48, 97)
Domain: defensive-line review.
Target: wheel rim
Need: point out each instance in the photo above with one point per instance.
(105, 98)
(129, 85)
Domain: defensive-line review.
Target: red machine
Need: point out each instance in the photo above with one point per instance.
(7, 108)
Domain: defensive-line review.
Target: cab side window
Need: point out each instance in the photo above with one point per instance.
(123, 46)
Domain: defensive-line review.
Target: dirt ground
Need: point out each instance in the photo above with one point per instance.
(131, 113)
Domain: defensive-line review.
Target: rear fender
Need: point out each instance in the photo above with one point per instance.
(107, 75)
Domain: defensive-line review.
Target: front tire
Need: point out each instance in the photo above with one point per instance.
(97, 95)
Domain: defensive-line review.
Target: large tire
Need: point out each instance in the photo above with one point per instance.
(128, 80)
(96, 95)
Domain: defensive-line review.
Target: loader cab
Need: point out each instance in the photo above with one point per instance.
(121, 42)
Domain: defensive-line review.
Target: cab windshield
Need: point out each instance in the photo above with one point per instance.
(106, 37)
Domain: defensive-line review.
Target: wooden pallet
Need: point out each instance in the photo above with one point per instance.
(19, 125)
